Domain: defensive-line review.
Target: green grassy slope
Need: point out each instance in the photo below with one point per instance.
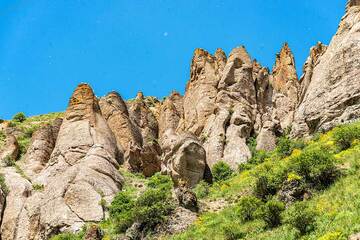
(336, 207)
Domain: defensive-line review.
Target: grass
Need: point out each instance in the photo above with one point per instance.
(336, 208)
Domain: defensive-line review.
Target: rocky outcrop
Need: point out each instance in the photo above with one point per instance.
(201, 90)
(333, 94)
(146, 158)
(184, 159)
(232, 121)
(315, 53)
(136, 132)
(116, 114)
(42, 144)
(10, 151)
(171, 111)
(82, 171)
(285, 83)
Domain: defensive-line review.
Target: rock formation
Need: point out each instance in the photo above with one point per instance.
(82, 170)
(184, 159)
(42, 144)
(11, 149)
(333, 92)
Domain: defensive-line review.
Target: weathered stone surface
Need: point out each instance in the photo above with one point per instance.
(286, 86)
(315, 53)
(15, 217)
(187, 198)
(116, 114)
(171, 111)
(10, 150)
(232, 121)
(333, 94)
(81, 171)
(355, 237)
(201, 90)
(143, 117)
(184, 159)
(42, 144)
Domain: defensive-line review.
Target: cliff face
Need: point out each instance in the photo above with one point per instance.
(227, 101)
(331, 93)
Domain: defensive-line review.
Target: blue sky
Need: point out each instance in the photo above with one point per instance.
(47, 47)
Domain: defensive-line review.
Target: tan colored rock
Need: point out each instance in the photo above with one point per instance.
(315, 53)
(201, 91)
(171, 112)
(232, 121)
(143, 117)
(82, 171)
(42, 144)
(286, 86)
(116, 114)
(184, 159)
(333, 95)
(15, 216)
(11, 149)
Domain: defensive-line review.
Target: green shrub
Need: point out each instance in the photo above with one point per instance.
(247, 207)
(38, 187)
(202, 189)
(8, 161)
(231, 232)
(268, 183)
(19, 117)
(316, 166)
(271, 213)
(284, 146)
(300, 217)
(3, 186)
(121, 211)
(259, 157)
(345, 135)
(221, 171)
(153, 207)
(68, 236)
(160, 181)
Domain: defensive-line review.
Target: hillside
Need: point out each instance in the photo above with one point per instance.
(246, 153)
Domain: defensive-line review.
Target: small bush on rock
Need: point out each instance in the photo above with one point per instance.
(271, 213)
(221, 171)
(19, 117)
(300, 217)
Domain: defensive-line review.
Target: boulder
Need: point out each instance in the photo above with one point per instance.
(184, 159)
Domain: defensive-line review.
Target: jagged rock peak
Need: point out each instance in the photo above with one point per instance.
(140, 95)
(240, 53)
(284, 69)
(315, 53)
(82, 103)
(352, 3)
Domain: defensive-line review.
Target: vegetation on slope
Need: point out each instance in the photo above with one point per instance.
(327, 171)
